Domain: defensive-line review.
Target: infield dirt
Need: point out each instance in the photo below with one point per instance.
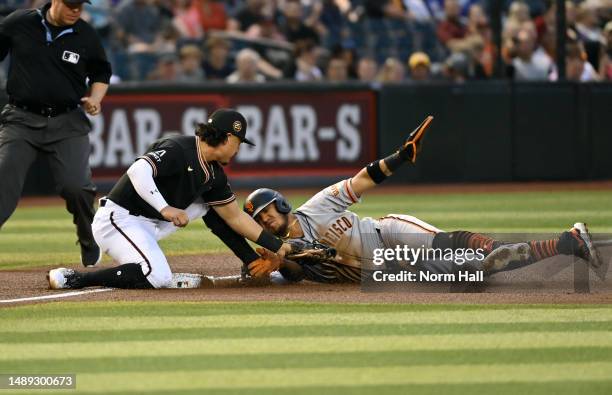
(533, 284)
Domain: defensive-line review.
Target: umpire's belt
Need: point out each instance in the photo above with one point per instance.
(41, 109)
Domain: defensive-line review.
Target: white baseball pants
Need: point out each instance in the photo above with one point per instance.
(400, 229)
(133, 239)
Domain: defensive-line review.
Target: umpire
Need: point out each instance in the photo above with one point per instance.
(53, 56)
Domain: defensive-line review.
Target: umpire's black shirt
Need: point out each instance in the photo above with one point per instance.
(181, 176)
(49, 64)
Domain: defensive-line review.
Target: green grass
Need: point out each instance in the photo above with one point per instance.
(299, 348)
(45, 235)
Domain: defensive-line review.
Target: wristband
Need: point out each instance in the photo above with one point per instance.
(394, 161)
(269, 241)
(375, 172)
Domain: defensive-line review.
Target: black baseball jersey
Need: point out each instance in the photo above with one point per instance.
(49, 64)
(181, 176)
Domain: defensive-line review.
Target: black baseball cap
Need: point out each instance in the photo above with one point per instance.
(230, 121)
(76, 1)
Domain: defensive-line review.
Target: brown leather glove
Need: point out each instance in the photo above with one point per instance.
(266, 264)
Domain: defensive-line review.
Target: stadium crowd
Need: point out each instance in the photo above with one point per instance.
(338, 40)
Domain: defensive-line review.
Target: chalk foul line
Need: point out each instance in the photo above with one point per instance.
(57, 296)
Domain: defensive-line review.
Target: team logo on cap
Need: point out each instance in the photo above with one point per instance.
(249, 206)
(237, 126)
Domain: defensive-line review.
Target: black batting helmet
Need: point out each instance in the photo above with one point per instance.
(261, 198)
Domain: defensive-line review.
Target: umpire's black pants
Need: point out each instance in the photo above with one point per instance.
(64, 141)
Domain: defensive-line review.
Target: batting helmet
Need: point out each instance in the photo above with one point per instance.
(261, 198)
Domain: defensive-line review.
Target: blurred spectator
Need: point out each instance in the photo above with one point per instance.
(212, 14)
(456, 67)
(391, 71)
(313, 13)
(481, 62)
(166, 69)
(333, 20)
(589, 31)
(166, 42)
(549, 38)
(190, 69)
(425, 11)
(451, 28)
(571, 15)
(518, 12)
(99, 14)
(518, 16)
(577, 67)
(216, 66)
(478, 26)
(529, 62)
(337, 70)
(367, 69)
(293, 28)
(246, 68)
(187, 19)
(436, 7)
(267, 29)
(349, 54)
(605, 62)
(305, 67)
(420, 66)
(139, 25)
(386, 9)
(251, 13)
(476, 19)
(8, 6)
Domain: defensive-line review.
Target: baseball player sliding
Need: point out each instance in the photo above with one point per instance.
(325, 218)
(178, 179)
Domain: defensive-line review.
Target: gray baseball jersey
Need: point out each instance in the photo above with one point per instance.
(325, 218)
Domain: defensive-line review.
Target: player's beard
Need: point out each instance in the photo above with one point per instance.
(281, 231)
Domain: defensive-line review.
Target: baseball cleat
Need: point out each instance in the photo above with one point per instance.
(501, 257)
(91, 255)
(63, 278)
(581, 244)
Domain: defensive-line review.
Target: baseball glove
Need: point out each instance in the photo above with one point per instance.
(412, 145)
(310, 250)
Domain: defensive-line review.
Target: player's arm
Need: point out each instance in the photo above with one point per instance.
(243, 224)
(230, 238)
(377, 171)
(363, 181)
(141, 176)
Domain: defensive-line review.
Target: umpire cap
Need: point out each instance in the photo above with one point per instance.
(261, 198)
(227, 120)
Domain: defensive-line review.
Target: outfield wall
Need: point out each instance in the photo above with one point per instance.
(310, 134)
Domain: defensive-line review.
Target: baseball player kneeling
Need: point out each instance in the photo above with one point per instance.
(325, 219)
(178, 179)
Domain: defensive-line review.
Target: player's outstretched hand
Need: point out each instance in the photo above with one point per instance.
(175, 215)
(91, 106)
(266, 264)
